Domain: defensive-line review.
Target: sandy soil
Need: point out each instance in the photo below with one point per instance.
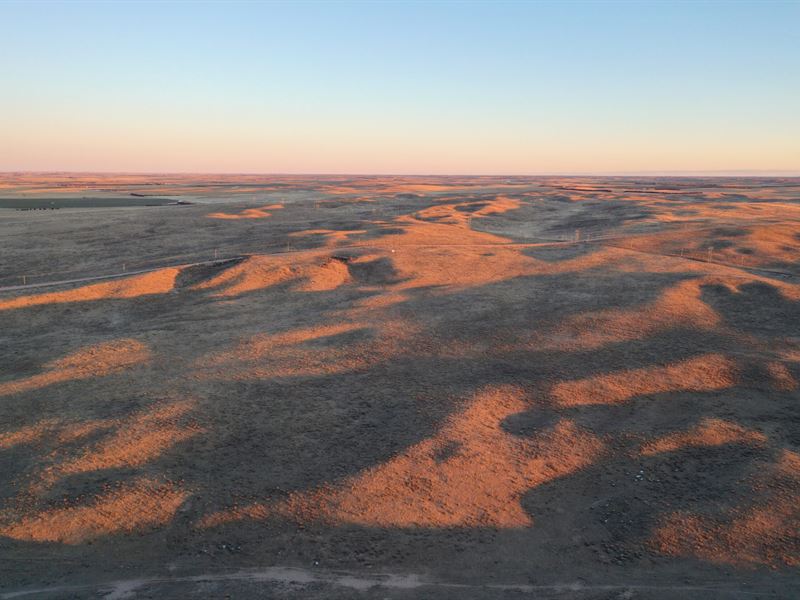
(419, 387)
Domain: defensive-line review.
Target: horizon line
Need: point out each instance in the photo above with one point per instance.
(643, 173)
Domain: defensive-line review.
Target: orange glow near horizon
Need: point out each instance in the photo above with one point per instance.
(422, 148)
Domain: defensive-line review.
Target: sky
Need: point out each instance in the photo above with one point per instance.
(400, 87)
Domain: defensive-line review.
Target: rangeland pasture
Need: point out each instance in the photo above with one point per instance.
(382, 387)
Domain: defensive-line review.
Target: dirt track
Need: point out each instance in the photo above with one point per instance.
(438, 378)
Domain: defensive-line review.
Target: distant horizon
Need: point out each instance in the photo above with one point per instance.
(687, 174)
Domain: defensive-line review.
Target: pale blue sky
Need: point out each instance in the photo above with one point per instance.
(401, 87)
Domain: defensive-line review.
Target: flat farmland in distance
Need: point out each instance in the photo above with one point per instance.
(378, 387)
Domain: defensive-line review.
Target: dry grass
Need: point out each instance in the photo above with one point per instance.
(710, 432)
(701, 374)
(470, 474)
(155, 282)
(678, 306)
(247, 213)
(130, 508)
(134, 441)
(94, 361)
(416, 310)
(765, 533)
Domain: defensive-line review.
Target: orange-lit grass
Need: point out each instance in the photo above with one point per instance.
(678, 306)
(375, 187)
(52, 429)
(325, 277)
(765, 245)
(381, 301)
(470, 474)
(292, 354)
(130, 508)
(457, 267)
(703, 373)
(94, 361)
(155, 282)
(130, 442)
(248, 213)
(790, 355)
(709, 432)
(766, 532)
(436, 247)
(782, 379)
(450, 213)
(254, 273)
(135, 441)
(333, 237)
(305, 352)
(26, 435)
(258, 272)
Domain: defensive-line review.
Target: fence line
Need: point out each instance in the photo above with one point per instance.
(127, 268)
